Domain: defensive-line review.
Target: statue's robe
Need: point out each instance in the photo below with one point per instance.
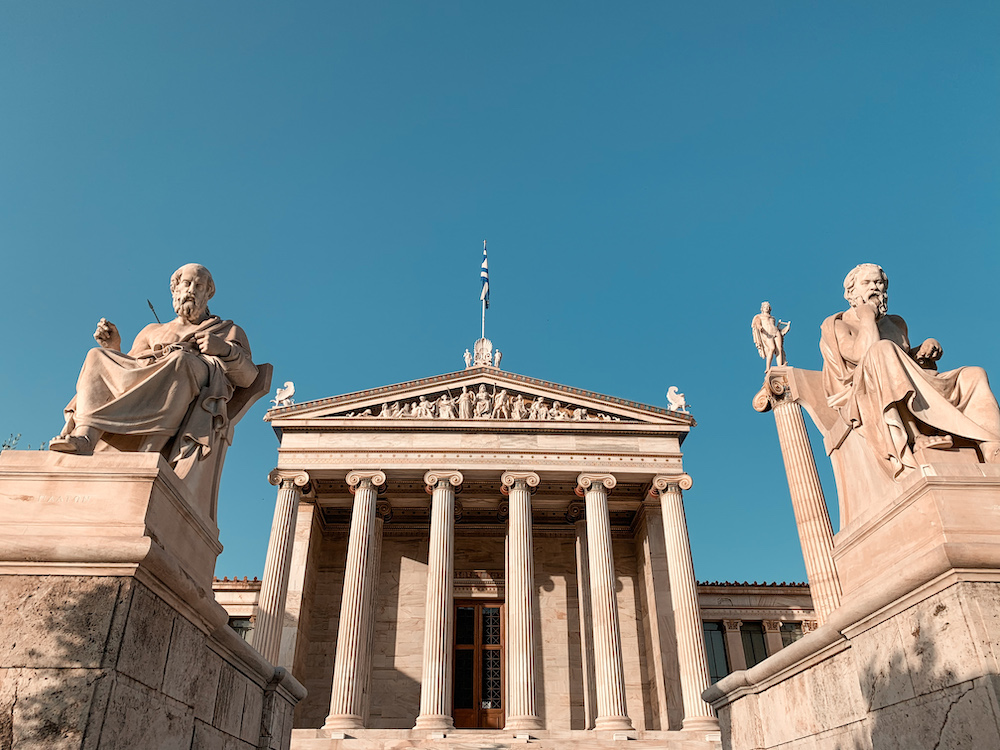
(163, 386)
(870, 394)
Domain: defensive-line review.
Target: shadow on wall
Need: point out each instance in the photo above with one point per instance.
(918, 679)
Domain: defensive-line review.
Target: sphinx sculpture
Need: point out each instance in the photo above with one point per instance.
(891, 392)
(178, 391)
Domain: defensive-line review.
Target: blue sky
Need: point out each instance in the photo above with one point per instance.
(646, 174)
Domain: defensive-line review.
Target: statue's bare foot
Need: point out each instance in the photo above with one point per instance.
(71, 444)
(932, 441)
(991, 452)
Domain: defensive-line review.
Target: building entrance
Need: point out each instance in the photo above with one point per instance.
(479, 665)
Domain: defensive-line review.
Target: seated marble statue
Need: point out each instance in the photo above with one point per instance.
(169, 393)
(890, 392)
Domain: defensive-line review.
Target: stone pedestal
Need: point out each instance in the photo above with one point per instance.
(109, 633)
(912, 656)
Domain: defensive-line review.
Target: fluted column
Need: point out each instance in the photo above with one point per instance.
(274, 588)
(808, 503)
(612, 713)
(439, 612)
(576, 515)
(383, 512)
(520, 586)
(691, 654)
(351, 666)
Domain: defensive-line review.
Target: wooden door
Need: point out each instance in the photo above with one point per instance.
(479, 665)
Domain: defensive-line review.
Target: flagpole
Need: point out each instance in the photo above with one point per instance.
(484, 318)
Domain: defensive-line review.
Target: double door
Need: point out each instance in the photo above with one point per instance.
(479, 665)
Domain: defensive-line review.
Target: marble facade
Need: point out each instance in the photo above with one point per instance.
(572, 523)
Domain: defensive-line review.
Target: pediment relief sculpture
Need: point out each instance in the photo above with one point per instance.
(482, 402)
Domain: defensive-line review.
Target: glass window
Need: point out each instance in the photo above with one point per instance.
(754, 646)
(715, 645)
(491, 626)
(492, 684)
(464, 676)
(465, 626)
(790, 632)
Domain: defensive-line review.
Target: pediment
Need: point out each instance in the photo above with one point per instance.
(491, 395)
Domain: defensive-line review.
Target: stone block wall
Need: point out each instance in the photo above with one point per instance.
(923, 676)
(103, 662)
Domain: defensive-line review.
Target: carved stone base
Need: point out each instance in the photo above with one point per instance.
(912, 656)
(109, 633)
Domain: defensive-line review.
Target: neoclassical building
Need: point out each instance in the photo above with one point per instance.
(487, 551)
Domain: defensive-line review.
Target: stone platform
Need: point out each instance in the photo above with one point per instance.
(481, 739)
(110, 636)
(911, 659)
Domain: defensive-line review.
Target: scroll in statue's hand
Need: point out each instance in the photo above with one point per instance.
(929, 352)
(212, 345)
(107, 335)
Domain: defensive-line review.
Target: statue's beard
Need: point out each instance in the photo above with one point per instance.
(188, 306)
(879, 299)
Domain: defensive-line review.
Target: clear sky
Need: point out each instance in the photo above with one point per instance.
(646, 174)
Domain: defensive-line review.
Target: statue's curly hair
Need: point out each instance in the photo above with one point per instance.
(853, 276)
(202, 271)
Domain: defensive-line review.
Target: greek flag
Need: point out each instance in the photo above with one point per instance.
(484, 274)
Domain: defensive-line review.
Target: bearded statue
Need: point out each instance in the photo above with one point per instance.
(891, 392)
(169, 393)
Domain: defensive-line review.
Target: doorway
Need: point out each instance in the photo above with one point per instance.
(479, 665)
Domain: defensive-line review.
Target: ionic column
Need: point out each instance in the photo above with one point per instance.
(576, 515)
(808, 502)
(383, 512)
(439, 615)
(772, 636)
(691, 654)
(612, 713)
(274, 588)
(351, 667)
(734, 645)
(521, 711)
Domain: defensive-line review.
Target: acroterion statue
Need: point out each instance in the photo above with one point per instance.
(769, 336)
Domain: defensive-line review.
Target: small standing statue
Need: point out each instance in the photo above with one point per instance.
(769, 336)
(468, 359)
(497, 355)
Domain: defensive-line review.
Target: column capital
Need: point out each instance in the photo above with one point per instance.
(772, 626)
(510, 479)
(774, 392)
(358, 477)
(732, 625)
(664, 482)
(433, 477)
(809, 626)
(383, 510)
(296, 477)
(586, 480)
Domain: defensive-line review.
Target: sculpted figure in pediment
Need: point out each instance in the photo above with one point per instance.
(891, 392)
(465, 404)
(518, 410)
(538, 410)
(501, 406)
(446, 407)
(483, 403)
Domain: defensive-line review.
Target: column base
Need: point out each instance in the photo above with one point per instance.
(435, 723)
(523, 723)
(343, 722)
(700, 724)
(613, 724)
